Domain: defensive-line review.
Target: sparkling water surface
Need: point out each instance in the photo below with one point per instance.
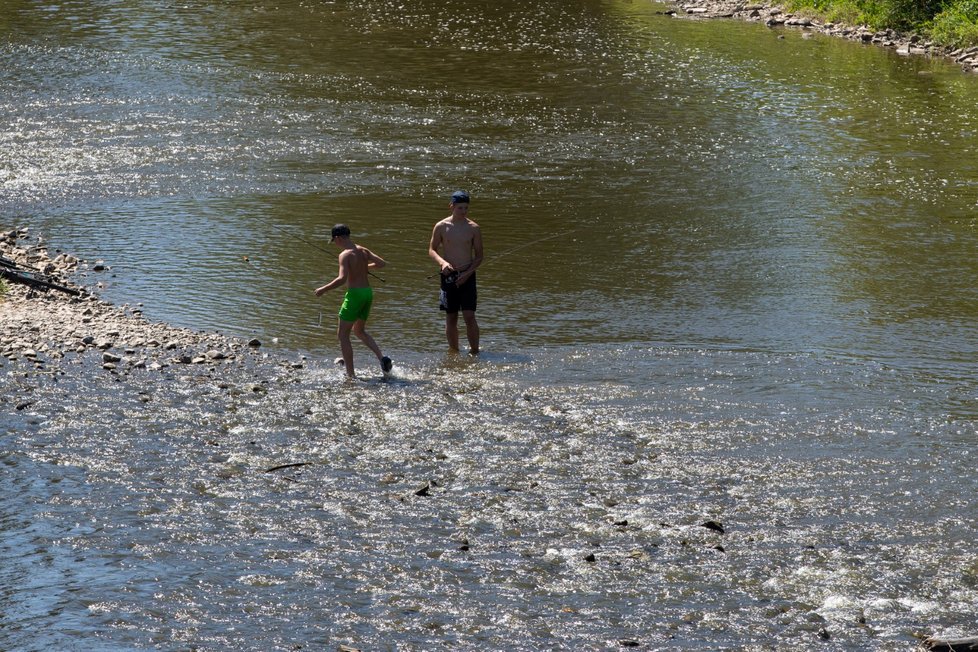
(730, 283)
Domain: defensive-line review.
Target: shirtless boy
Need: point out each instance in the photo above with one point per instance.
(355, 262)
(460, 243)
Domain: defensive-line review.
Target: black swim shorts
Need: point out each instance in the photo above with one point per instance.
(453, 299)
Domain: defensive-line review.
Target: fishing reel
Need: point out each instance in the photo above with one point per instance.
(448, 280)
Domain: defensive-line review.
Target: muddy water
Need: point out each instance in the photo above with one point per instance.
(731, 278)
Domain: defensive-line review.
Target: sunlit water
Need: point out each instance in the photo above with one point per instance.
(731, 277)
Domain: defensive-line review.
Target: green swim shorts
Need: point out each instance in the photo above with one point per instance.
(356, 304)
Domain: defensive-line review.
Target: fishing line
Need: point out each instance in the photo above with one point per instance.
(533, 242)
(496, 257)
(311, 244)
(319, 322)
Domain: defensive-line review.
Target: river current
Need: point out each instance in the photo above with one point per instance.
(728, 393)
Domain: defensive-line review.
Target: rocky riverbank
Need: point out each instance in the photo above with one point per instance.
(39, 329)
(777, 17)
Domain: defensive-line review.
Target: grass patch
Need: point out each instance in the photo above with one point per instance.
(946, 22)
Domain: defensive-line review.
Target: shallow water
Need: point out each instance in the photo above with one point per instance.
(731, 277)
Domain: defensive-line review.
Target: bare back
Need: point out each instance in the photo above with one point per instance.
(354, 261)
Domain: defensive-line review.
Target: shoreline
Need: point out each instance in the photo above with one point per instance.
(775, 16)
(41, 329)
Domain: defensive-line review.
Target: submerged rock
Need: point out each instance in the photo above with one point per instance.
(713, 525)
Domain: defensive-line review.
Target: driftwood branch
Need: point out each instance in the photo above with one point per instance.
(10, 271)
(287, 466)
(969, 644)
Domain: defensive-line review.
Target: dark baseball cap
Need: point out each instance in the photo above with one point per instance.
(339, 231)
(460, 197)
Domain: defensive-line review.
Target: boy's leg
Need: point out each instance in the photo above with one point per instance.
(360, 330)
(451, 330)
(346, 346)
(471, 331)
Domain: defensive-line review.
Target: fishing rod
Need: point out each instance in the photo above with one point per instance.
(311, 244)
(515, 249)
(314, 246)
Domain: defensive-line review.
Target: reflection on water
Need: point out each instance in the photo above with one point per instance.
(731, 275)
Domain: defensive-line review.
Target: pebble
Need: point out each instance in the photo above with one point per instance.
(54, 323)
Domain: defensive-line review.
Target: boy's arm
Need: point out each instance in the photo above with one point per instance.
(340, 277)
(436, 241)
(373, 260)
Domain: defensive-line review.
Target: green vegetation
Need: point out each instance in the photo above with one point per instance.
(957, 24)
(952, 23)
(3, 289)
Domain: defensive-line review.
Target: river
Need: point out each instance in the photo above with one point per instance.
(731, 278)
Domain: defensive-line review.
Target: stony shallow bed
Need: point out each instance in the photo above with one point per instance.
(43, 326)
(179, 490)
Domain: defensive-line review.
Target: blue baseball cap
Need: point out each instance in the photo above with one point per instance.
(460, 197)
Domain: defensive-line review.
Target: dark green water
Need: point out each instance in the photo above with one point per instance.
(741, 260)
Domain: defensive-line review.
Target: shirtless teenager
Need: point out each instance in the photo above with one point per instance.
(460, 242)
(355, 262)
